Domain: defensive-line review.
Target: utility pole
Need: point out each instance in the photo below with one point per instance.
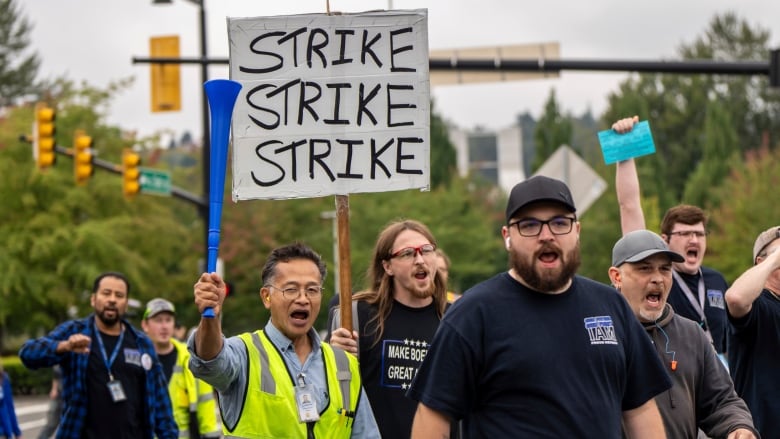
(205, 142)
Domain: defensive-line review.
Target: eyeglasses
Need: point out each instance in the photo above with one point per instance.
(289, 293)
(560, 225)
(408, 253)
(690, 233)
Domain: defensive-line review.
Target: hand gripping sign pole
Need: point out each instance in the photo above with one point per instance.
(221, 94)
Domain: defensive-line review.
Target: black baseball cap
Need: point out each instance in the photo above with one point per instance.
(535, 189)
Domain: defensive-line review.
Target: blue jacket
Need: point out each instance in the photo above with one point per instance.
(41, 352)
(9, 427)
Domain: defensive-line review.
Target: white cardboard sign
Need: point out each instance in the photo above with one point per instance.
(330, 104)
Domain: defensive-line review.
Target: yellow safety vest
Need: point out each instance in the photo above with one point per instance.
(269, 409)
(189, 394)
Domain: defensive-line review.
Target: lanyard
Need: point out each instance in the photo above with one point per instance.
(109, 361)
(698, 306)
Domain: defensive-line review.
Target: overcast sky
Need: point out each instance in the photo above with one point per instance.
(95, 40)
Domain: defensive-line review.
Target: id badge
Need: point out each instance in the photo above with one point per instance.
(307, 405)
(117, 392)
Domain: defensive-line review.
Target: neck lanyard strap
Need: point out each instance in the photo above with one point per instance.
(110, 361)
(699, 306)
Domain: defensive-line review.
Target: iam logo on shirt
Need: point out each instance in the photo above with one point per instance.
(600, 330)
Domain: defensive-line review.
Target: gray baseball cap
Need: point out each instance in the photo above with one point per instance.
(156, 306)
(638, 245)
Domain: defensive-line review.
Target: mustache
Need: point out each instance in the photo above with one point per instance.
(548, 247)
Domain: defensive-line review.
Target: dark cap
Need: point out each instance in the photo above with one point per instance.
(764, 239)
(535, 189)
(638, 245)
(156, 306)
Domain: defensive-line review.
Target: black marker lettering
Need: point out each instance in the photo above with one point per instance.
(363, 102)
(342, 33)
(316, 47)
(263, 158)
(293, 156)
(337, 104)
(391, 106)
(252, 49)
(294, 36)
(305, 103)
(394, 52)
(366, 48)
(401, 157)
(319, 158)
(375, 158)
(348, 165)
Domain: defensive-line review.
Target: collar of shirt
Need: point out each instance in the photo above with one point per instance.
(313, 367)
(286, 347)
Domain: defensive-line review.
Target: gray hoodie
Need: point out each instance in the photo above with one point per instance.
(701, 383)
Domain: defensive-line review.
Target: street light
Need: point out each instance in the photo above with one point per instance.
(204, 76)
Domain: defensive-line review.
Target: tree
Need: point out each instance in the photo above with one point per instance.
(678, 108)
(56, 237)
(751, 191)
(717, 158)
(17, 70)
(443, 160)
(552, 131)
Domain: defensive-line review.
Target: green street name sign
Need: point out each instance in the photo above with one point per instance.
(155, 181)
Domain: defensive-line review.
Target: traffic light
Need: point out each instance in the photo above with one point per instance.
(130, 172)
(43, 136)
(82, 157)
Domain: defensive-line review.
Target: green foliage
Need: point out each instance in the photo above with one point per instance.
(25, 381)
(749, 208)
(443, 158)
(552, 131)
(718, 155)
(57, 237)
(688, 113)
(17, 68)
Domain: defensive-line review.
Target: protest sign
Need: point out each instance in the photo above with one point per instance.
(330, 104)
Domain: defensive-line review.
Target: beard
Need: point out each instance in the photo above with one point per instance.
(109, 321)
(423, 293)
(546, 280)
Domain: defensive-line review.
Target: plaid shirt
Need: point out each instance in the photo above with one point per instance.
(41, 352)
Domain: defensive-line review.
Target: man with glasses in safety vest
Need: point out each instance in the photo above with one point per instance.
(281, 381)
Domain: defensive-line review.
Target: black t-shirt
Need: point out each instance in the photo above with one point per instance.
(168, 361)
(754, 343)
(388, 366)
(106, 418)
(518, 363)
(715, 287)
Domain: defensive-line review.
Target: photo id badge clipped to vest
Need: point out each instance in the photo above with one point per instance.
(304, 400)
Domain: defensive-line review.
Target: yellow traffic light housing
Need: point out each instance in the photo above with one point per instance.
(82, 157)
(130, 173)
(165, 79)
(43, 136)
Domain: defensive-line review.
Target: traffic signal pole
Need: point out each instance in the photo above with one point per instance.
(114, 168)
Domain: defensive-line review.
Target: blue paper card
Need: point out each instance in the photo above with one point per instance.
(618, 147)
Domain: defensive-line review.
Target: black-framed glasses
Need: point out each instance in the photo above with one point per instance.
(291, 292)
(690, 233)
(408, 253)
(530, 227)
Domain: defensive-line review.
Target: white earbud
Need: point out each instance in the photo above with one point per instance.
(508, 243)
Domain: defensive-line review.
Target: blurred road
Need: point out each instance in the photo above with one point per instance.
(31, 413)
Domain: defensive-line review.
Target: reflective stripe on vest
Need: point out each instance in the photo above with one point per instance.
(264, 414)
